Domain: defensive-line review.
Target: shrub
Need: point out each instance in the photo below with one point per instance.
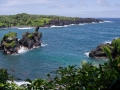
(12, 44)
(30, 35)
(10, 34)
(116, 44)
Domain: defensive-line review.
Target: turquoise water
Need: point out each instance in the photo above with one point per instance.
(61, 46)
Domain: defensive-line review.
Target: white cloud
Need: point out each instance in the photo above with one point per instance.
(9, 3)
(82, 3)
(102, 3)
(64, 5)
(67, 5)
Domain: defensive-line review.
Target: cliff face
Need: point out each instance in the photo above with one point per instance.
(58, 22)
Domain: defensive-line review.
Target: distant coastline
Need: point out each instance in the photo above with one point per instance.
(26, 20)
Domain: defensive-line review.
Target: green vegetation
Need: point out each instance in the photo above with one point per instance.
(25, 19)
(116, 44)
(8, 39)
(10, 35)
(30, 35)
(11, 44)
(86, 77)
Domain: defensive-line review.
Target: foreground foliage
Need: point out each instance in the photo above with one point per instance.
(86, 77)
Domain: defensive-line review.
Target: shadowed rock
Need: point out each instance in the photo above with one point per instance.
(99, 53)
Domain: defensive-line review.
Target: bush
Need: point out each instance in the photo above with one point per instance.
(116, 44)
(11, 44)
(10, 34)
(30, 36)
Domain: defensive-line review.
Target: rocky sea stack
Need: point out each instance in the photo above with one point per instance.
(114, 48)
(11, 45)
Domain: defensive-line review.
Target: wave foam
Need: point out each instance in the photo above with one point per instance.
(107, 42)
(87, 54)
(81, 24)
(22, 50)
(26, 28)
(43, 45)
(19, 83)
(101, 22)
(109, 21)
(53, 26)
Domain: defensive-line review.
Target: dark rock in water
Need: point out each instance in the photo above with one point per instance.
(37, 28)
(1, 47)
(30, 40)
(98, 52)
(11, 45)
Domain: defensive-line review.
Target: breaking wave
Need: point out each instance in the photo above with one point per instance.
(19, 83)
(107, 42)
(87, 54)
(22, 50)
(81, 24)
(43, 45)
(109, 21)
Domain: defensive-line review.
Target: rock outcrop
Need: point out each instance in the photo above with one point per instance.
(98, 52)
(30, 40)
(114, 48)
(10, 43)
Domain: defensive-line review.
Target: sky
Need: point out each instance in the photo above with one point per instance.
(72, 8)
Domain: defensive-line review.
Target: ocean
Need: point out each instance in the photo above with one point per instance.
(61, 46)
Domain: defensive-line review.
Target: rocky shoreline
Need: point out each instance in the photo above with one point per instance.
(58, 22)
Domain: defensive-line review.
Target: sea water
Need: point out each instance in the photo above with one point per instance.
(61, 46)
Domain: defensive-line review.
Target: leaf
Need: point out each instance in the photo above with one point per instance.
(100, 68)
(107, 51)
(2, 85)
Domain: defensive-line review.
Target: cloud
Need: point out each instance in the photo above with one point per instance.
(12, 3)
(65, 5)
(82, 3)
(53, 6)
(102, 3)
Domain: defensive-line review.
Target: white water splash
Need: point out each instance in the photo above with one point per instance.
(19, 83)
(87, 54)
(43, 45)
(81, 24)
(101, 22)
(22, 50)
(107, 42)
(109, 21)
(72, 24)
(53, 26)
(26, 27)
